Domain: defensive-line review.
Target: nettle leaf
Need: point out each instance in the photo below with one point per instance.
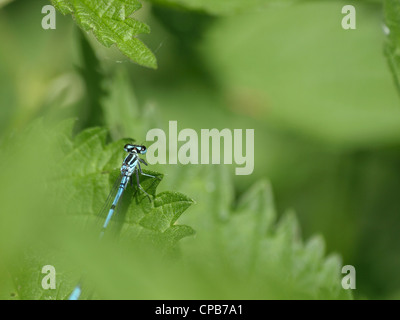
(168, 207)
(111, 23)
(90, 169)
(59, 219)
(392, 44)
(259, 256)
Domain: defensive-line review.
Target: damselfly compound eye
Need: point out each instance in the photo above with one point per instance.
(129, 147)
(142, 150)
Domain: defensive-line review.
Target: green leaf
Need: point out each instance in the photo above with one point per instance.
(240, 249)
(111, 24)
(4, 2)
(240, 58)
(89, 165)
(220, 7)
(120, 106)
(168, 207)
(80, 173)
(123, 115)
(249, 244)
(91, 113)
(392, 44)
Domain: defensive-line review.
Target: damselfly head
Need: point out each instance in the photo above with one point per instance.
(135, 148)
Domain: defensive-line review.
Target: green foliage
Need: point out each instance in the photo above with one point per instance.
(392, 45)
(4, 2)
(86, 161)
(233, 45)
(124, 116)
(257, 256)
(327, 120)
(239, 244)
(220, 7)
(78, 183)
(111, 24)
(237, 237)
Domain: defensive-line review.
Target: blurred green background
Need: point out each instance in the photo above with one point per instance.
(321, 99)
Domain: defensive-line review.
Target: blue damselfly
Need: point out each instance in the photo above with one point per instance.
(130, 166)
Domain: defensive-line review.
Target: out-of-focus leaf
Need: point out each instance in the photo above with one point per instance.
(392, 30)
(123, 115)
(92, 113)
(221, 7)
(4, 2)
(248, 243)
(315, 85)
(75, 185)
